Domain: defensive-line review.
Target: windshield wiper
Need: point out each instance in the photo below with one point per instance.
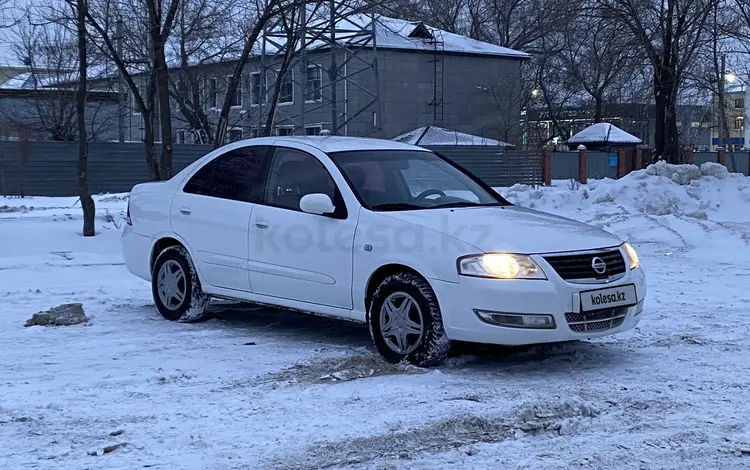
(397, 206)
(465, 204)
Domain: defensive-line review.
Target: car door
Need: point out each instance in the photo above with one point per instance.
(212, 214)
(296, 255)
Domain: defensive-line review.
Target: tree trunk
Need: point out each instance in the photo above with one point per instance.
(161, 75)
(148, 144)
(87, 202)
(598, 111)
(660, 109)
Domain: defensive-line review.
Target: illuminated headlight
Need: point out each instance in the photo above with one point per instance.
(630, 255)
(500, 266)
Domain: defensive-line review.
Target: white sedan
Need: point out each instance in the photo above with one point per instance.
(378, 232)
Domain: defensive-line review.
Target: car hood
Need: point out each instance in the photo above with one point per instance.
(510, 229)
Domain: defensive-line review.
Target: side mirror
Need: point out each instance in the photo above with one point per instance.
(316, 203)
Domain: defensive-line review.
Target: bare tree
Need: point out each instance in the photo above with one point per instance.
(87, 202)
(202, 38)
(266, 11)
(108, 21)
(599, 55)
(669, 34)
(296, 28)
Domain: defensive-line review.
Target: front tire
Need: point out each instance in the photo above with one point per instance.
(176, 288)
(405, 321)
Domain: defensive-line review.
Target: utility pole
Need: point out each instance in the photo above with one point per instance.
(333, 72)
(720, 98)
(122, 95)
(303, 70)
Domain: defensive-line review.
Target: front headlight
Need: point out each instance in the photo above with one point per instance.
(500, 266)
(630, 255)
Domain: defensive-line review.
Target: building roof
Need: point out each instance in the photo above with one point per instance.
(604, 132)
(400, 34)
(432, 135)
(389, 33)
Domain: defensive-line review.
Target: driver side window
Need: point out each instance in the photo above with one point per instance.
(294, 174)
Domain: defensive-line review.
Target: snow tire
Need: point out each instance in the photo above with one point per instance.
(433, 345)
(194, 304)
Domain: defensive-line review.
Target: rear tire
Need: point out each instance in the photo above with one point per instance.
(405, 321)
(176, 288)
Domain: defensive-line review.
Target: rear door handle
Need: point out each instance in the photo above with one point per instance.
(185, 211)
(261, 224)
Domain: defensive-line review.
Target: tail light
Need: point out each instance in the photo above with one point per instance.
(128, 220)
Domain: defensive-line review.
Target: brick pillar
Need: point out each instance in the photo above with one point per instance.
(721, 154)
(547, 167)
(639, 159)
(620, 164)
(583, 160)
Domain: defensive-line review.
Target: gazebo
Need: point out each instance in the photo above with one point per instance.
(438, 136)
(603, 136)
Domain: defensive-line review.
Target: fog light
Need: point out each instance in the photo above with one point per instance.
(639, 307)
(517, 320)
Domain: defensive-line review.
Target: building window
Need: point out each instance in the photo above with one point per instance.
(258, 89)
(313, 130)
(235, 100)
(739, 124)
(286, 88)
(284, 130)
(211, 98)
(739, 103)
(181, 136)
(234, 134)
(314, 83)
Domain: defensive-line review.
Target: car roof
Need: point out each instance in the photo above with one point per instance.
(331, 144)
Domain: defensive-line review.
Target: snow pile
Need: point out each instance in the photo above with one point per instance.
(703, 209)
(709, 192)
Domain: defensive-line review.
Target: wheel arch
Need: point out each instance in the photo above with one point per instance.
(380, 274)
(164, 241)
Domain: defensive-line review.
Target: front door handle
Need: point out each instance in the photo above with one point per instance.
(261, 224)
(185, 211)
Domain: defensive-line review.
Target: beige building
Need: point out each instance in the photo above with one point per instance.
(734, 106)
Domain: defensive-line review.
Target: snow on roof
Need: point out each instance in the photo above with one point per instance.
(17, 82)
(431, 135)
(390, 33)
(45, 81)
(604, 132)
(397, 34)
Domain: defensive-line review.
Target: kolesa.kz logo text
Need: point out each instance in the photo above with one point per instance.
(607, 298)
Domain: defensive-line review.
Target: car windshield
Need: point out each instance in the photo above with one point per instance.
(393, 180)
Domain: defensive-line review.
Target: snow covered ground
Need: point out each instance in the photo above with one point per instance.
(255, 388)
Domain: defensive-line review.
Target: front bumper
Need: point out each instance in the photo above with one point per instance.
(554, 297)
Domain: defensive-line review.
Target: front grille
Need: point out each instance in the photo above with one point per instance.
(598, 320)
(579, 266)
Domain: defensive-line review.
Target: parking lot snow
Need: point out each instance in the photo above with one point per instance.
(260, 388)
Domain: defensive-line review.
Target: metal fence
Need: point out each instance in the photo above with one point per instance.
(599, 165)
(49, 168)
(564, 165)
(495, 166)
